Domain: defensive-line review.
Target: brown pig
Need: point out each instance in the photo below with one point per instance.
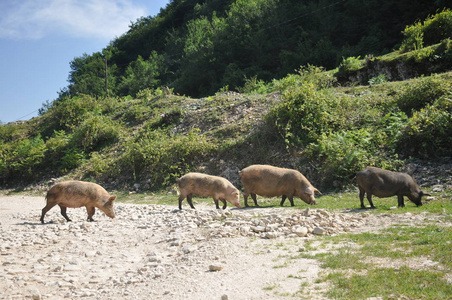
(384, 183)
(203, 185)
(270, 181)
(77, 194)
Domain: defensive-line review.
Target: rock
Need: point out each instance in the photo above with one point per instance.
(300, 231)
(189, 249)
(90, 253)
(318, 231)
(258, 229)
(302, 249)
(271, 235)
(224, 297)
(35, 294)
(437, 188)
(215, 268)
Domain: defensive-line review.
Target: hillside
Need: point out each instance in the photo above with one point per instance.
(327, 124)
(198, 47)
(145, 143)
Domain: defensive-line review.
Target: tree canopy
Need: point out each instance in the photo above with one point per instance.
(197, 47)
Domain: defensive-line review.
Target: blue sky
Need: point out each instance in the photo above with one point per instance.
(39, 38)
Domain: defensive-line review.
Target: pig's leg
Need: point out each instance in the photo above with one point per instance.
(400, 200)
(224, 203)
(46, 209)
(283, 199)
(190, 202)
(245, 197)
(291, 200)
(369, 198)
(254, 199)
(91, 210)
(361, 197)
(216, 203)
(63, 212)
(181, 198)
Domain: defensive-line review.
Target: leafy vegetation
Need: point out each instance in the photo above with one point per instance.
(198, 47)
(398, 275)
(304, 120)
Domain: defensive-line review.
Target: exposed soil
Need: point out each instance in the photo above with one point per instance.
(159, 252)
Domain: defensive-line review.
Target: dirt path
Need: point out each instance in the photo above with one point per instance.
(159, 252)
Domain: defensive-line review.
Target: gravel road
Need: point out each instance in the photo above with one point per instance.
(159, 252)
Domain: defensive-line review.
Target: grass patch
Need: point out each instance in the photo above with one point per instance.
(390, 283)
(354, 278)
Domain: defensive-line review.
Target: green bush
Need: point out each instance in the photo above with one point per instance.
(95, 133)
(21, 158)
(164, 157)
(303, 115)
(438, 27)
(350, 64)
(421, 93)
(255, 86)
(341, 154)
(382, 78)
(429, 131)
(68, 112)
(432, 31)
(413, 38)
(421, 55)
(317, 76)
(306, 74)
(72, 159)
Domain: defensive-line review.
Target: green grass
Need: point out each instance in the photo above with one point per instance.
(390, 283)
(353, 275)
(348, 201)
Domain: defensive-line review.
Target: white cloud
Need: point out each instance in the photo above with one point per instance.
(36, 19)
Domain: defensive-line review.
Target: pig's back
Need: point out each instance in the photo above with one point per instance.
(266, 180)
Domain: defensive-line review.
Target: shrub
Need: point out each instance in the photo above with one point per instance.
(95, 133)
(432, 31)
(429, 130)
(382, 78)
(72, 159)
(350, 64)
(317, 76)
(255, 86)
(342, 154)
(303, 115)
(68, 112)
(422, 92)
(438, 27)
(161, 157)
(413, 38)
(21, 158)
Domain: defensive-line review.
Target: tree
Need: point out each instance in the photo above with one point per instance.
(141, 74)
(87, 75)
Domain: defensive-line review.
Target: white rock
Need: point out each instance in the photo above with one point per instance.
(300, 231)
(258, 229)
(90, 253)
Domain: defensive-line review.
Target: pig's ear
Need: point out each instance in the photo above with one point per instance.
(425, 194)
(235, 193)
(112, 198)
(309, 191)
(317, 192)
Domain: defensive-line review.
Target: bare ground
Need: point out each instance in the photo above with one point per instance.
(151, 252)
